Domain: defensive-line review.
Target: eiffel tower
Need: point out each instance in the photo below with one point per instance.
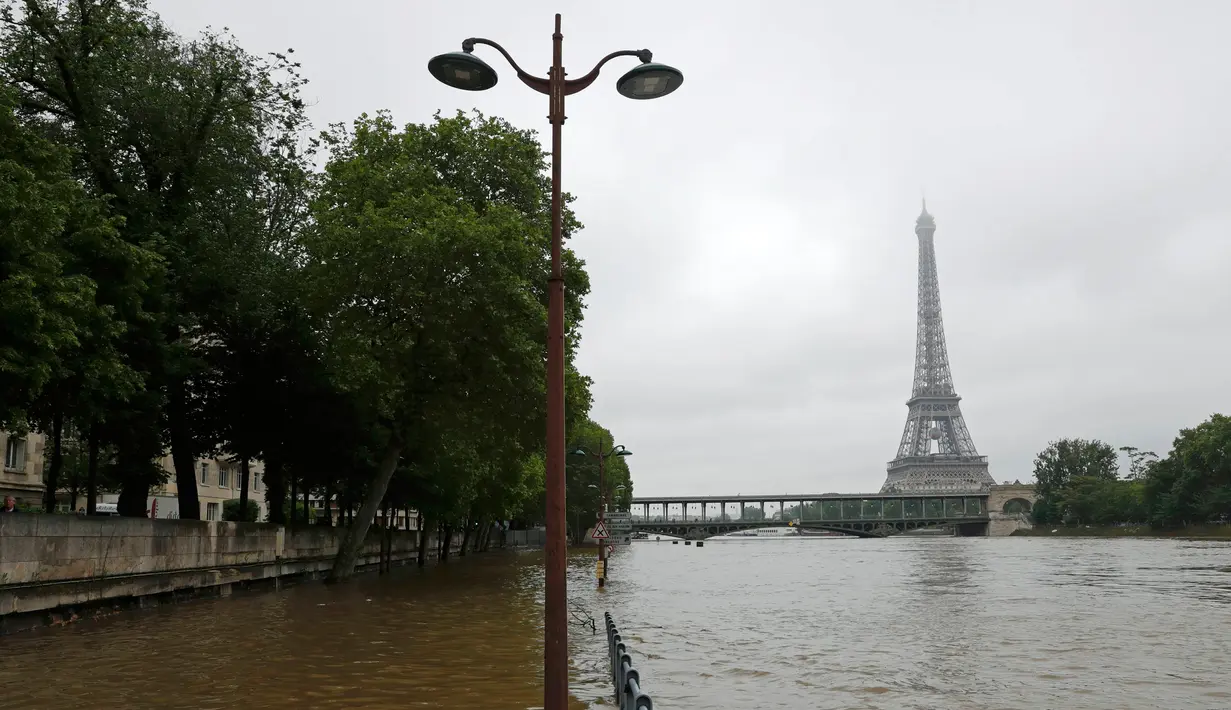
(934, 416)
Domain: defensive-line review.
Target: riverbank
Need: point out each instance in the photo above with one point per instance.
(1202, 532)
(56, 569)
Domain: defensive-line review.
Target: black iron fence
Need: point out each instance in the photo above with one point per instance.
(625, 678)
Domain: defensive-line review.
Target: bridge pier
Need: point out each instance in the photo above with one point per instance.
(971, 530)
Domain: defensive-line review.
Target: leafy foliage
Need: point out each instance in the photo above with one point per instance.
(231, 511)
(179, 277)
(427, 260)
(583, 489)
(1191, 485)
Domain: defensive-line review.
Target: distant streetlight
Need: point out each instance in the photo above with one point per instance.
(602, 457)
(463, 70)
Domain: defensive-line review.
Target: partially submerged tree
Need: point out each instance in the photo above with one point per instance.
(428, 260)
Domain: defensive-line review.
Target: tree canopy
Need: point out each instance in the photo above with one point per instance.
(179, 276)
(1078, 482)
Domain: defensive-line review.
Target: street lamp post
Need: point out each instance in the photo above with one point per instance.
(602, 457)
(463, 70)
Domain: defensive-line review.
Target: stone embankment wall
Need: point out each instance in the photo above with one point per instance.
(56, 567)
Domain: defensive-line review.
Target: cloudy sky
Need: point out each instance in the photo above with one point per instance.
(749, 238)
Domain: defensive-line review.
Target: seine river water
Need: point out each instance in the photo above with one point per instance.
(897, 624)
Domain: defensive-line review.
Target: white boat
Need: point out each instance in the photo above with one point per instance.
(773, 533)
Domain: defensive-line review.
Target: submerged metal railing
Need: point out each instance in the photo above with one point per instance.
(624, 677)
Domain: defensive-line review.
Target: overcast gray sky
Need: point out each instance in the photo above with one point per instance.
(749, 238)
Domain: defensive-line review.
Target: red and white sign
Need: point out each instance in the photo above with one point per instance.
(600, 531)
(610, 549)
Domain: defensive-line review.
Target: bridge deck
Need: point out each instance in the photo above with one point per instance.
(790, 497)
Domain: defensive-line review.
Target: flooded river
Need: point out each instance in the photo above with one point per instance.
(952, 623)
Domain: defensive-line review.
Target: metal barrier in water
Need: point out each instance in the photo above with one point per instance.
(625, 678)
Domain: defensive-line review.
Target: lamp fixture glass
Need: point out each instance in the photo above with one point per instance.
(462, 70)
(649, 81)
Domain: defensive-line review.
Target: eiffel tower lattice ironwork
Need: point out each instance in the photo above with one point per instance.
(934, 417)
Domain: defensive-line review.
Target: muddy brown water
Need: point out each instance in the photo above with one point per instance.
(897, 624)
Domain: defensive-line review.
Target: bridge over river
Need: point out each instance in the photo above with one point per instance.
(699, 517)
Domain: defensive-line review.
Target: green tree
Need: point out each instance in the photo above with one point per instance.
(1064, 460)
(427, 261)
(231, 511)
(172, 132)
(39, 301)
(1101, 501)
(1139, 462)
(1193, 483)
(582, 491)
(70, 291)
(753, 513)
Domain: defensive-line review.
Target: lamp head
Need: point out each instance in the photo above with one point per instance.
(649, 81)
(462, 70)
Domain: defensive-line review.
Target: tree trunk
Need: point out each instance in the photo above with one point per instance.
(389, 549)
(325, 507)
(384, 540)
(422, 542)
(307, 509)
(465, 538)
(243, 488)
(487, 538)
(348, 551)
(444, 549)
(91, 476)
(275, 490)
(294, 494)
(182, 455)
(57, 462)
(133, 496)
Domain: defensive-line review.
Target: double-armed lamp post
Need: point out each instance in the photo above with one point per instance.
(602, 457)
(463, 70)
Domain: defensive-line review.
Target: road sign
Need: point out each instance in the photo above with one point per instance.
(620, 521)
(610, 549)
(600, 531)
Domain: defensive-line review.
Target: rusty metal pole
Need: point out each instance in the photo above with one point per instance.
(555, 628)
(461, 70)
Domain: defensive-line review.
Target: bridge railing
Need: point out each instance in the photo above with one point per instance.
(624, 677)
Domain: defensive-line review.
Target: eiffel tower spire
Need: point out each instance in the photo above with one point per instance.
(934, 415)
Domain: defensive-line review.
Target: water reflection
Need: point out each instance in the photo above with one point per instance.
(1013, 624)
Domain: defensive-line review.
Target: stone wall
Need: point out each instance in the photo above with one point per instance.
(1005, 523)
(50, 562)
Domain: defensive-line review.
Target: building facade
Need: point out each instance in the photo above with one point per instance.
(22, 473)
(218, 481)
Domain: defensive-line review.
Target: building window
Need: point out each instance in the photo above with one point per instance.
(15, 454)
(224, 476)
(211, 511)
(256, 481)
(204, 473)
(239, 478)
